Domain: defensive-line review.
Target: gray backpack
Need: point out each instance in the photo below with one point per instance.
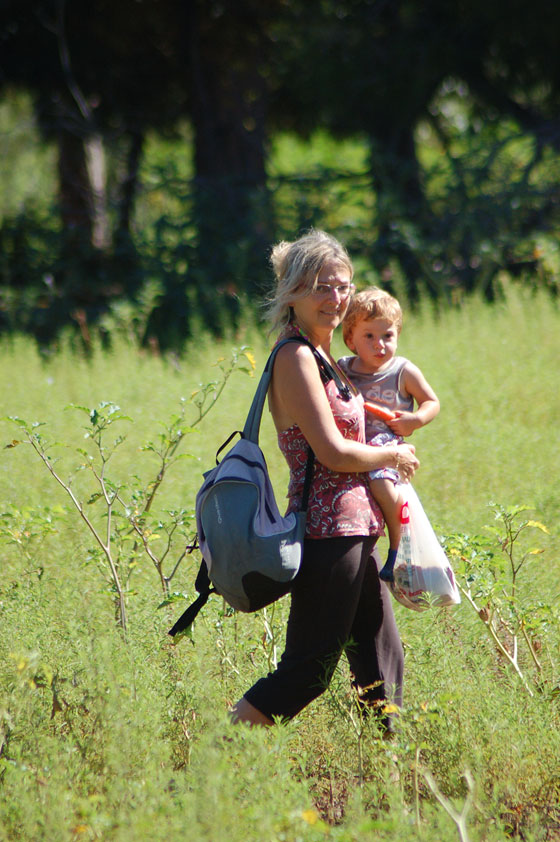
(251, 553)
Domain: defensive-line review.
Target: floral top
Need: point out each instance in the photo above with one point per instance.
(339, 504)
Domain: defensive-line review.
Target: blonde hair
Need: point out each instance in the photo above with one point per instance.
(296, 266)
(372, 303)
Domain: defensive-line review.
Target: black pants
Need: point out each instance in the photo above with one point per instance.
(338, 604)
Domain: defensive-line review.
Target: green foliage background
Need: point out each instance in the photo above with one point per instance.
(488, 219)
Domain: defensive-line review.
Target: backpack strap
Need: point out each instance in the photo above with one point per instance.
(203, 587)
(327, 371)
(253, 422)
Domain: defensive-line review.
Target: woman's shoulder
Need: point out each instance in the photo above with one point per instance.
(296, 352)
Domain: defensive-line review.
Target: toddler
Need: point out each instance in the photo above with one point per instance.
(371, 330)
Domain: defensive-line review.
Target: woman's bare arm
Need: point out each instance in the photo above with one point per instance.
(297, 396)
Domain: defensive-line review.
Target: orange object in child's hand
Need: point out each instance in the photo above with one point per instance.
(379, 411)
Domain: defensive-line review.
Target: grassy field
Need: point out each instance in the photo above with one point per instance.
(106, 736)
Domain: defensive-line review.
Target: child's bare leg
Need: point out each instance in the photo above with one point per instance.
(385, 492)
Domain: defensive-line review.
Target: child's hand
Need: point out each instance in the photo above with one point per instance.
(404, 423)
(379, 411)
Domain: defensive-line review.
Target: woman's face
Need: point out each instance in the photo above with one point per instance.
(324, 306)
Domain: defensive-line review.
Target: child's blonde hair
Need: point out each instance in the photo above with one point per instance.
(372, 303)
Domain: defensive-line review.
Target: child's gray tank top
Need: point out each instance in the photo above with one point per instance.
(383, 388)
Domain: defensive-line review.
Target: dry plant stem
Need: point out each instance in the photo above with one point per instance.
(531, 648)
(512, 660)
(460, 818)
(271, 650)
(154, 559)
(165, 463)
(416, 787)
(105, 545)
(157, 562)
(172, 448)
(357, 720)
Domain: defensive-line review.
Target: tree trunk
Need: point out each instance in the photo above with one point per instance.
(396, 178)
(233, 215)
(83, 209)
(97, 178)
(74, 187)
(130, 184)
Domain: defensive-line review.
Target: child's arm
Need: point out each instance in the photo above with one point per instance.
(427, 403)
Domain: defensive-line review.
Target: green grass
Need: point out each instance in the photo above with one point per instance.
(113, 740)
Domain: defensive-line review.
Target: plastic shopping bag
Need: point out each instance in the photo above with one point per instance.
(422, 572)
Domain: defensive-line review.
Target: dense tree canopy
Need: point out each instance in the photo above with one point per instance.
(467, 76)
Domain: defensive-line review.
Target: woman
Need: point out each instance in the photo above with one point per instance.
(337, 602)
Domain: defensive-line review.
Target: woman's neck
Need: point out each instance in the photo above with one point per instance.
(319, 339)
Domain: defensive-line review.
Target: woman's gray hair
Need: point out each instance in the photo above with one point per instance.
(296, 266)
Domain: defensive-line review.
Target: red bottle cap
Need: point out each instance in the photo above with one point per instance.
(405, 516)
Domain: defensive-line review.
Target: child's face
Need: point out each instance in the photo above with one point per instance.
(375, 343)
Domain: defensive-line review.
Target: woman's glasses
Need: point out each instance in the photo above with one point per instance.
(324, 290)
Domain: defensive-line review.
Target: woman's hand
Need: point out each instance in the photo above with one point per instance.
(406, 462)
